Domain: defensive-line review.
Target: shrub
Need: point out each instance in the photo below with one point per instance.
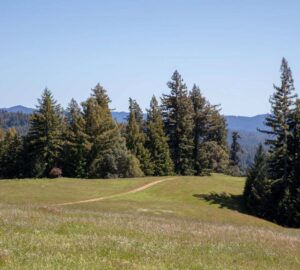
(55, 173)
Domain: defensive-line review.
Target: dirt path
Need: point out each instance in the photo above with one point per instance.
(116, 195)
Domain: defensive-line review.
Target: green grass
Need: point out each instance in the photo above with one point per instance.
(182, 223)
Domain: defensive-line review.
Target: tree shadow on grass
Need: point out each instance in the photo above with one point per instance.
(224, 200)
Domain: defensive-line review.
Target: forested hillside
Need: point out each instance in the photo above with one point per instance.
(18, 120)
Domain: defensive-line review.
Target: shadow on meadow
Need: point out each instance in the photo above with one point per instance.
(224, 200)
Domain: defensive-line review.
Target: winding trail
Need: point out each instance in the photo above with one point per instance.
(116, 195)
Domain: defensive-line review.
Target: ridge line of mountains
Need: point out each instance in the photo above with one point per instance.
(243, 123)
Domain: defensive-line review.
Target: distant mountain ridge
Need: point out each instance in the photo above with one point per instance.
(242, 123)
(246, 123)
(20, 109)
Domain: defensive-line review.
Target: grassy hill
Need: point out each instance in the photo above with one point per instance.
(178, 223)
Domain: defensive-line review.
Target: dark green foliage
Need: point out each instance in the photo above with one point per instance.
(178, 117)
(201, 115)
(108, 156)
(135, 140)
(157, 142)
(209, 132)
(77, 143)
(215, 158)
(138, 113)
(257, 191)
(44, 142)
(10, 154)
(282, 199)
(279, 122)
(235, 151)
(288, 210)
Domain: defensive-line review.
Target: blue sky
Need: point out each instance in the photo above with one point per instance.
(231, 49)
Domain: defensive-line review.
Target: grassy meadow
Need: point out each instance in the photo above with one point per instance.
(180, 223)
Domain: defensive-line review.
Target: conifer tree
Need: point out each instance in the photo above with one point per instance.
(77, 143)
(235, 149)
(157, 142)
(283, 123)
(138, 113)
(177, 111)
(281, 154)
(294, 145)
(288, 210)
(257, 191)
(217, 127)
(44, 140)
(109, 156)
(135, 140)
(282, 103)
(10, 155)
(201, 112)
(210, 134)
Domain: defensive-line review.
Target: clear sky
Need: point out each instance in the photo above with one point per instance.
(231, 49)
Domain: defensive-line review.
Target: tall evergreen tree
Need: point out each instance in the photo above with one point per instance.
(157, 142)
(235, 149)
(135, 139)
(77, 143)
(109, 156)
(138, 113)
(284, 148)
(210, 134)
(201, 112)
(10, 155)
(288, 210)
(295, 144)
(257, 191)
(44, 140)
(178, 112)
(282, 103)
(217, 127)
(281, 159)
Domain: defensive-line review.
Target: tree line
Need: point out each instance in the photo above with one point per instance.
(183, 134)
(272, 189)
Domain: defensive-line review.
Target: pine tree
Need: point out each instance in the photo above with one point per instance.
(294, 145)
(235, 151)
(157, 142)
(200, 124)
(177, 111)
(10, 155)
(215, 144)
(281, 154)
(210, 133)
(44, 140)
(288, 210)
(257, 191)
(217, 127)
(279, 122)
(135, 140)
(109, 156)
(138, 113)
(283, 123)
(77, 144)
